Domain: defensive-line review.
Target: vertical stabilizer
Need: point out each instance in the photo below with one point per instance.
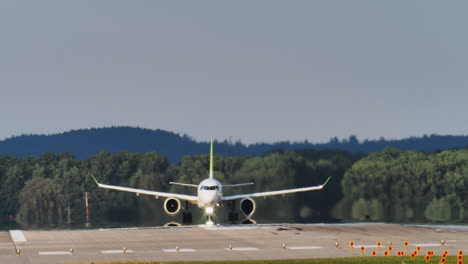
(211, 159)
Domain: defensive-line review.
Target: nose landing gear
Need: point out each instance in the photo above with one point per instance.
(209, 222)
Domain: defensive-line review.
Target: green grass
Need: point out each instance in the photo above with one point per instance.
(350, 260)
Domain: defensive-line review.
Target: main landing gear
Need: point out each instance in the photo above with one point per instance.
(186, 214)
(233, 216)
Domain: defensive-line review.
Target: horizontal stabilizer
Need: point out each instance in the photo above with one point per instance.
(184, 184)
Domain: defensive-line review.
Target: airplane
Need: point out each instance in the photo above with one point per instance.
(210, 196)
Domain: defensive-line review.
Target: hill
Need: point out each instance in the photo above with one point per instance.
(86, 142)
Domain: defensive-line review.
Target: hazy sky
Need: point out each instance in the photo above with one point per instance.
(250, 70)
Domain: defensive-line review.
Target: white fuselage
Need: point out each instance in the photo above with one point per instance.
(210, 193)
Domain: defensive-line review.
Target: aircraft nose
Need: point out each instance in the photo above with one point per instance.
(208, 198)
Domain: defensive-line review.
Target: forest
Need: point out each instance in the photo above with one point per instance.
(407, 186)
(392, 185)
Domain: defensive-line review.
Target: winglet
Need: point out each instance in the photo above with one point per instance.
(211, 159)
(94, 178)
(325, 183)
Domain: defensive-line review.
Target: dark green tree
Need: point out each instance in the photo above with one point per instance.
(42, 203)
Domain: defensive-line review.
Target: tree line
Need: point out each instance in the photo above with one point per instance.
(407, 186)
(48, 190)
(393, 185)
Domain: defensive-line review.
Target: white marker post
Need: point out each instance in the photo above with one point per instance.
(86, 194)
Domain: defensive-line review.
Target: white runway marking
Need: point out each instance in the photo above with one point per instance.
(221, 227)
(304, 247)
(18, 236)
(242, 248)
(122, 228)
(368, 246)
(427, 245)
(116, 251)
(313, 237)
(54, 253)
(172, 250)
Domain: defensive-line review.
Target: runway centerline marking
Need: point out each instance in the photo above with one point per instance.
(304, 247)
(172, 250)
(367, 246)
(116, 251)
(313, 237)
(241, 249)
(54, 253)
(427, 245)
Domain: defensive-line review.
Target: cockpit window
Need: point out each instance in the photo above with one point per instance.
(210, 188)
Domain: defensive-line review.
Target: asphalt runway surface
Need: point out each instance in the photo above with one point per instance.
(204, 243)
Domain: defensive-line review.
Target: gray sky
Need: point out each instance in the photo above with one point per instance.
(252, 70)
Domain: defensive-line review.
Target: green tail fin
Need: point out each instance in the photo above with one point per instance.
(211, 159)
(325, 183)
(94, 178)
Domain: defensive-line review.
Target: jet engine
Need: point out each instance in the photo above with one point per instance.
(247, 206)
(172, 206)
(172, 224)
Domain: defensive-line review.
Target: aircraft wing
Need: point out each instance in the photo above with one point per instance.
(153, 193)
(263, 194)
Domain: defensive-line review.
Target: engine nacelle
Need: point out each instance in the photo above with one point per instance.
(170, 224)
(247, 207)
(172, 206)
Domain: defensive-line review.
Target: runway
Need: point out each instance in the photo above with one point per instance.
(204, 243)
